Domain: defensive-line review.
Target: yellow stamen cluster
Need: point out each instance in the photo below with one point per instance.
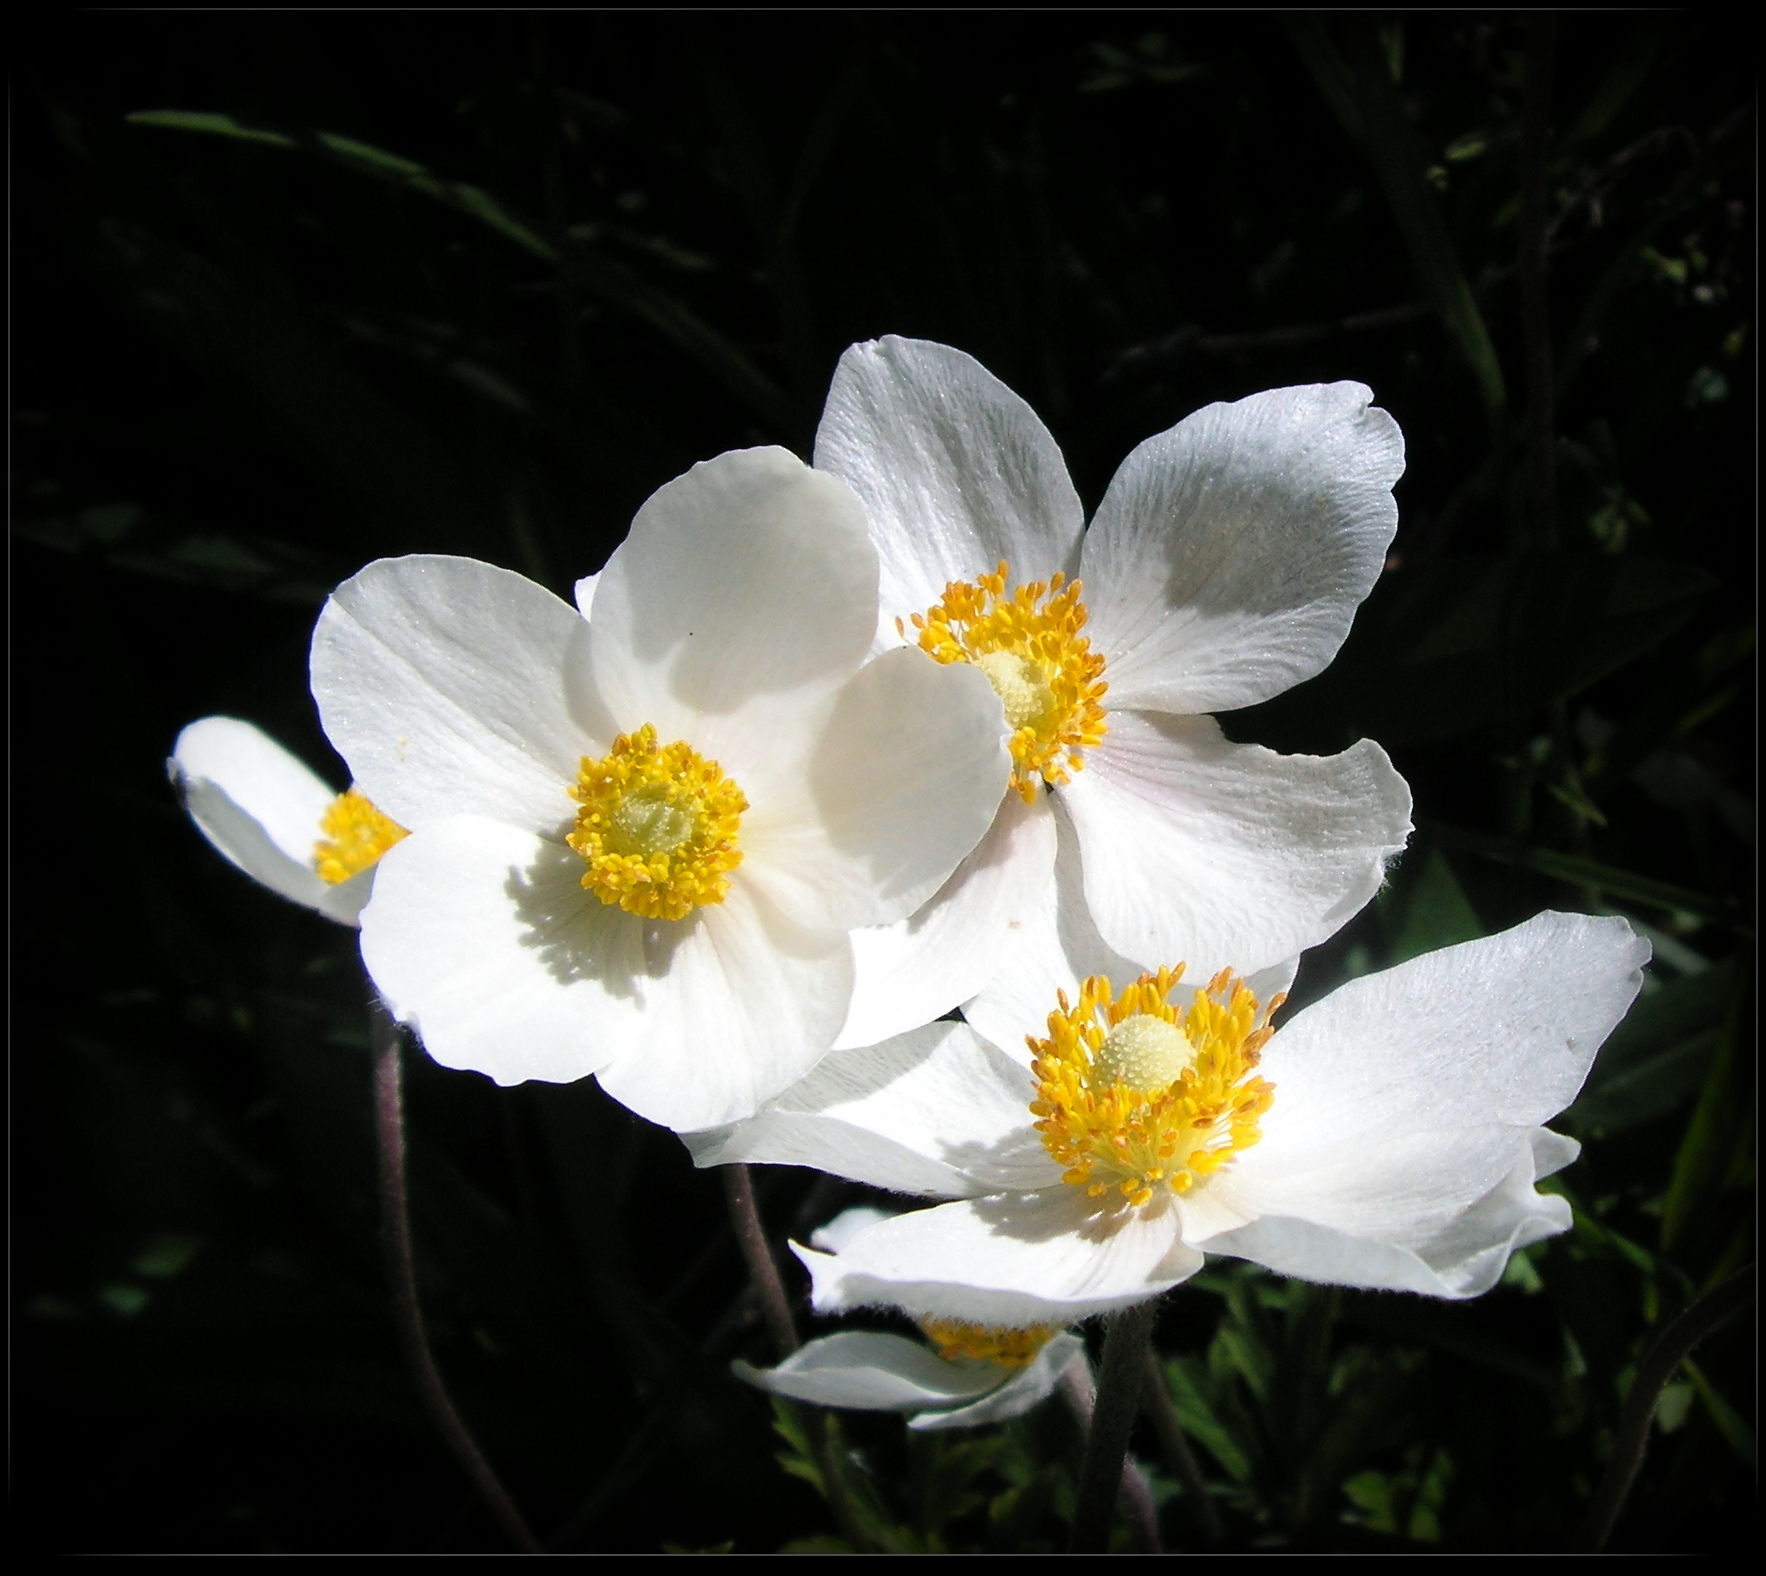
(1134, 1094)
(657, 826)
(1030, 647)
(958, 1343)
(356, 835)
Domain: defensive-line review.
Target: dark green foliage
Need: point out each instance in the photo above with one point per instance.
(296, 290)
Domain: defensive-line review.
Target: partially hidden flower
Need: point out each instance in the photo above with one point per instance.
(1390, 1135)
(961, 1377)
(277, 820)
(638, 842)
(1223, 566)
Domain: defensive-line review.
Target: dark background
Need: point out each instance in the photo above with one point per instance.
(480, 283)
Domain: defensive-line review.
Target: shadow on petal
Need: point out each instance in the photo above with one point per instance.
(577, 937)
(1017, 1161)
(1046, 1216)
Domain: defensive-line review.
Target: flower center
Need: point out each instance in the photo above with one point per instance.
(657, 827)
(356, 835)
(958, 1343)
(1042, 668)
(1136, 1094)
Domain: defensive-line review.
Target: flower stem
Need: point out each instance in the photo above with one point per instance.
(1137, 1492)
(1176, 1445)
(763, 1269)
(1670, 1350)
(823, 1432)
(1100, 1476)
(401, 1277)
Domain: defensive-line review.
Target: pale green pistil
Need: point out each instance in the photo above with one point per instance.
(644, 826)
(1021, 685)
(1144, 1052)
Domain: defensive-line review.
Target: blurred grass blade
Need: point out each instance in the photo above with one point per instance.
(1730, 1423)
(1624, 77)
(687, 332)
(1657, 1057)
(1437, 914)
(367, 160)
(1574, 870)
(716, 353)
(1601, 298)
(212, 125)
(1361, 93)
(1704, 1158)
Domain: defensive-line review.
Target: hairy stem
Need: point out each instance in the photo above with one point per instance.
(763, 1269)
(1179, 1458)
(1670, 1350)
(1137, 1493)
(401, 1279)
(1106, 1446)
(823, 1431)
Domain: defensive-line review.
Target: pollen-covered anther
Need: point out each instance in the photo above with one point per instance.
(1134, 1094)
(357, 833)
(982, 1343)
(1029, 645)
(657, 827)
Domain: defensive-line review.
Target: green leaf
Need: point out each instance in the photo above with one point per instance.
(712, 349)
(1656, 1057)
(1574, 870)
(1730, 1423)
(1436, 912)
(1706, 1152)
(367, 160)
(1365, 99)
(1190, 1388)
(212, 125)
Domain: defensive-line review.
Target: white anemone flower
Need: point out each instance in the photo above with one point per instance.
(1223, 566)
(268, 813)
(1388, 1136)
(638, 843)
(969, 1375)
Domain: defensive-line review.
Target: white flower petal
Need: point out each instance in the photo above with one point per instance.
(1056, 947)
(1230, 554)
(747, 583)
(1030, 1386)
(1401, 1190)
(1013, 1259)
(258, 805)
(872, 1372)
(921, 967)
(937, 1112)
(1552, 1151)
(1500, 1030)
(832, 1237)
(482, 937)
(903, 783)
(584, 593)
(743, 1004)
(441, 682)
(955, 472)
(1465, 1258)
(1223, 855)
(345, 901)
